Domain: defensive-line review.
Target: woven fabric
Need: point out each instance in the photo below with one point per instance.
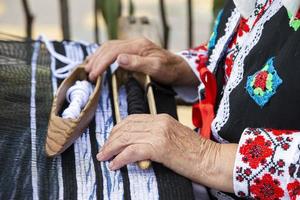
(27, 87)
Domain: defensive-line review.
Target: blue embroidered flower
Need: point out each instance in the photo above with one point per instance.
(263, 84)
(213, 37)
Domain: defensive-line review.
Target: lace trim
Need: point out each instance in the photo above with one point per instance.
(238, 70)
(220, 46)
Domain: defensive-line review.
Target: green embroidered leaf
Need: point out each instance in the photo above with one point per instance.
(269, 85)
(270, 77)
(258, 91)
(294, 23)
(266, 67)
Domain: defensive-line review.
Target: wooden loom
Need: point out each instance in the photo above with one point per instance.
(131, 27)
(145, 81)
(63, 132)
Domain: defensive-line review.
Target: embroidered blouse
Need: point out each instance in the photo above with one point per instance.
(250, 77)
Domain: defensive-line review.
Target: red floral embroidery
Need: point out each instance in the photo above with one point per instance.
(294, 190)
(243, 27)
(262, 11)
(298, 14)
(281, 132)
(256, 151)
(285, 146)
(261, 80)
(201, 47)
(266, 188)
(228, 63)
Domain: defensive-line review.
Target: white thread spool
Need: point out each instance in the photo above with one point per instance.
(78, 96)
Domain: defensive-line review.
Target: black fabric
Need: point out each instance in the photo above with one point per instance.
(136, 101)
(164, 98)
(94, 149)
(281, 112)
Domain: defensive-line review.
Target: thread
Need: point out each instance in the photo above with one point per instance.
(77, 96)
(136, 101)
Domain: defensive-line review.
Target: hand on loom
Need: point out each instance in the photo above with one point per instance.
(162, 139)
(141, 55)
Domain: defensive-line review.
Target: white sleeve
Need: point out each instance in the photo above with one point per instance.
(193, 58)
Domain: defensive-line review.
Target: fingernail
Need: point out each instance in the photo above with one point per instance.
(91, 77)
(123, 60)
(112, 166)
(100, 156)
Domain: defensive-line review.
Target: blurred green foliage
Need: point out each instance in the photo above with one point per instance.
(111, 11)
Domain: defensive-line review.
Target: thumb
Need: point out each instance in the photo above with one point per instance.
(136, 63)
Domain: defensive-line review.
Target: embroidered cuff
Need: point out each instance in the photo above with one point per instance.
(193, 57)
(267, 164)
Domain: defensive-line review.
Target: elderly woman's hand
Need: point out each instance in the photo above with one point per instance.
(162, 139)
(141, 55)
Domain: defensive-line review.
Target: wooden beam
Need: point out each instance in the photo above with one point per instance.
(96, 26)
(166, 28)
(190, 23)
(29, 19)
(64, 19)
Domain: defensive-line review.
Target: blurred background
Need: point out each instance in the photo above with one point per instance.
(180, 24)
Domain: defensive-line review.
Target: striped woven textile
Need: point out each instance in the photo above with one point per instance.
(28, 75)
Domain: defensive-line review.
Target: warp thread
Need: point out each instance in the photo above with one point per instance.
(77, 96)
(136, 101)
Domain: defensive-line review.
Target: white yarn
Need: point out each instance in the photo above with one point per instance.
(78, 96)
(70, 64)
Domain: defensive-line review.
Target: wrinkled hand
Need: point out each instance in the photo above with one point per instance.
(162, 139)
(141, 55)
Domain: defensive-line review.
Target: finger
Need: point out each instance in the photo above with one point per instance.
(131, 154)
(136, 63)
(132, 121)
(88, 65)
(107, 54)
(100, 64)
(115, 145)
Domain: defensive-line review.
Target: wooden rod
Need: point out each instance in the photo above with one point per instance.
(190, 23)
(64, 16)
(166, 27)
(116, 97)
(29, 19)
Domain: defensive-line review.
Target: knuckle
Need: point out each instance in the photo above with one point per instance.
(165, 120)
(124, 139)
(165, 117)
(106, 44)
(113, 131)
(145, 41)
(156, 67)
(132, 117)
(132, 151)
